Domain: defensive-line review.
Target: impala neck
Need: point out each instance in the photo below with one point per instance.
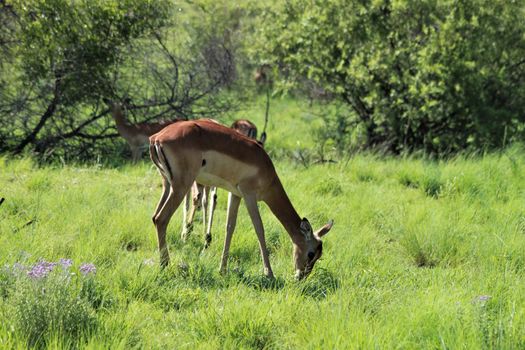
(282, 208)
(121, 122)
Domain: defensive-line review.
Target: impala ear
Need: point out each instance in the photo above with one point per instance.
(306, 228)
(305, 225)
(262, 140)
(324, 230)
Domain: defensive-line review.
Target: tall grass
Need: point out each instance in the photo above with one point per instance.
(423, 254)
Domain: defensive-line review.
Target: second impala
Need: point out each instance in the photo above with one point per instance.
(215, 155)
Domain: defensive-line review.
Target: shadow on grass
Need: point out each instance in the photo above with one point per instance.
(259, 282)
(188, 275)
(319, 285)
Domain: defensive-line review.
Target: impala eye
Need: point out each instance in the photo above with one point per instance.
(311, 255)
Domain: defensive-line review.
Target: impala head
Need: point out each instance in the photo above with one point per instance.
(307, 253)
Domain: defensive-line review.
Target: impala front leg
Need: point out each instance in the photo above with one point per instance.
(136, 153)
(253, 210)
(213, 203)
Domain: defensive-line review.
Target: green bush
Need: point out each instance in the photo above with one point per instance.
(438, 76)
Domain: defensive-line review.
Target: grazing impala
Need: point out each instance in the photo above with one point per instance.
(207, 194)
(215, 155)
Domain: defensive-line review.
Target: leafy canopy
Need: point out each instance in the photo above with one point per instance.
(435, 75)
(78, 43)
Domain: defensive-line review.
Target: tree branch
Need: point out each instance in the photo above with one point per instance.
(51, 108)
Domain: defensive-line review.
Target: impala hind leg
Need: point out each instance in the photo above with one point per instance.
(170, 165)
(233, 208)
(161, 220)
(192, 202)
(163, 197)
(204, 205)
(213, 203)
(186, 226)
(253, 210)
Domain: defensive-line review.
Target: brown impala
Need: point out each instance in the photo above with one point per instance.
(215, 155)
(202, 195)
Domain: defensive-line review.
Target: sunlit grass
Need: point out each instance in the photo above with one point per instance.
(422, 255)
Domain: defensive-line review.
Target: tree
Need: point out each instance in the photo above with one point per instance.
(65, 53)
(434, 75)
(67, 56)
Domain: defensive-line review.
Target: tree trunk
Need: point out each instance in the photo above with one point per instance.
(51, 108)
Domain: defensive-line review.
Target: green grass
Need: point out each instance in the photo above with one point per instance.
(290, 123)
(422, 255)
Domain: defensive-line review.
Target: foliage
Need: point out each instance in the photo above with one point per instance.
(231, 25)
(63, 60)
(67, 57)
(67, 44)
(7, 21)
(434, 75)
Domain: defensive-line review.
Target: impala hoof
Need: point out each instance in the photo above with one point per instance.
(186, 232)
(207, 241)
(164, 263)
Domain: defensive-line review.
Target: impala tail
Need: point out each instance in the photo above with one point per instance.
(159, 158)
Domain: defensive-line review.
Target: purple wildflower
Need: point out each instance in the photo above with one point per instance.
(88, 268)
(65, 263)
(41, 269)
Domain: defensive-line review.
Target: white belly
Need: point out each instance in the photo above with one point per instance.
(208, 179)
(224, 171)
